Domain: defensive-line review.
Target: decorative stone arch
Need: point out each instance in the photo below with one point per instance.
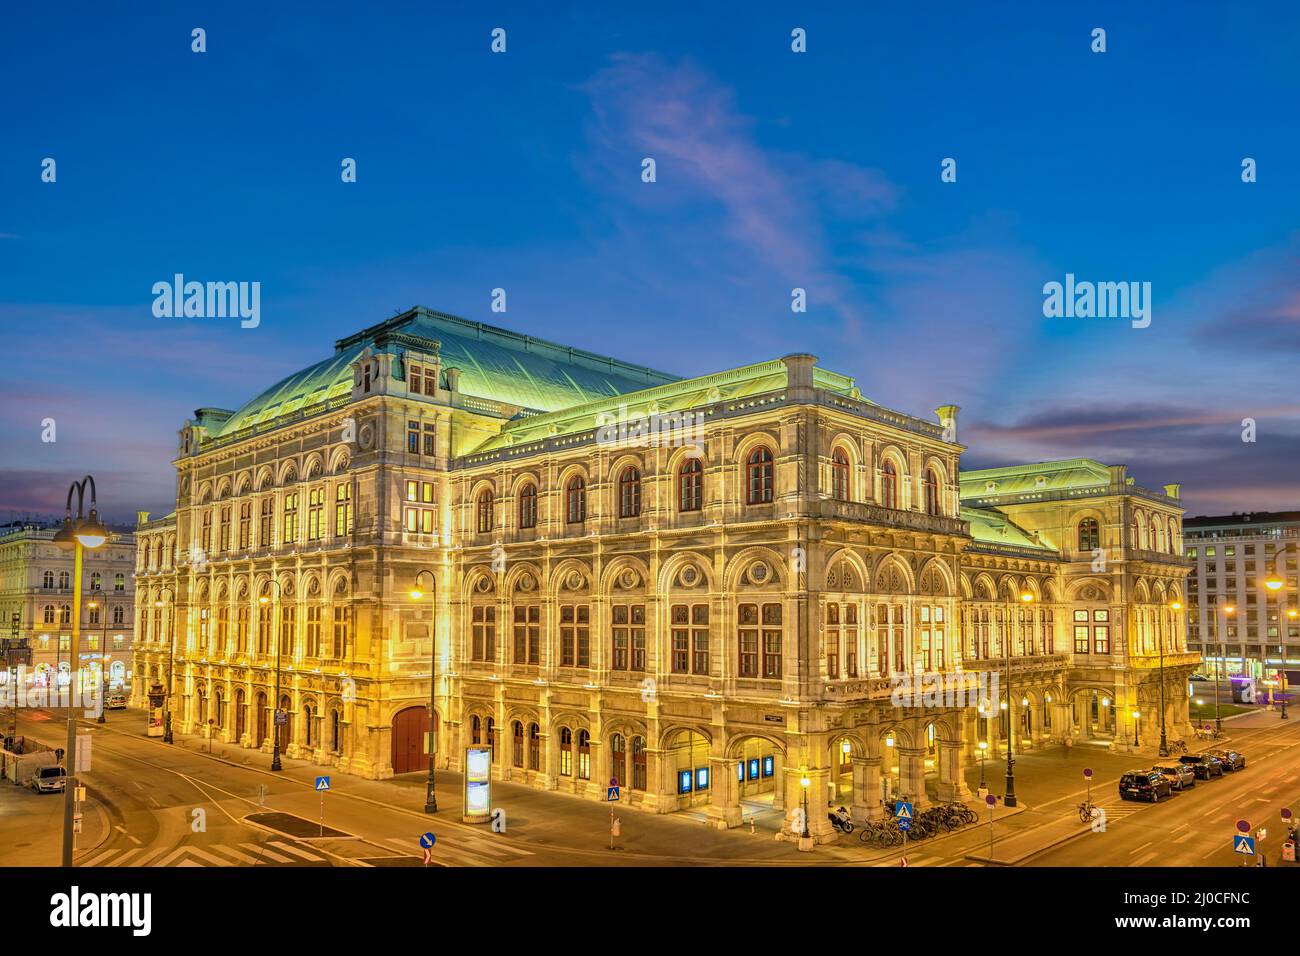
(478, 486)
(903, 736)
(1093, 590)
(1158, 593)
(221, 490)
(221, 590)
(523, 576)
(847, 571)
(936, 578)
(480, 582)
(678, 570)
(313, 466)
(964, 586)
(572, 719)
(1139, 523)
(986, 588)
(741, 571)
(311, 585)
(669, 734)
(204, 493)
(340, 460)
(1141, 593)
(243, 483)
(673, 466)
(943, 489)
(516, 483)
(624, 460)
(857, 743)
(570, 575)
(1051, 593)
(201, 591)
(893, 575)
(745, 447)
(734, 749)
(624, 573)
(574, 469)
(287, 473)
(264, 478)
(339, 583)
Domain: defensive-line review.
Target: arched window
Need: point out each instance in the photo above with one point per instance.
(1155, 535)
(484, 511)
(48, 580)
(839, 475)
(930, 485)
(618, 759)
(584, 755)
(629, 493)
(534, 747)
(309, 713)
(1089, 535)
(119, 615)
(888, 485)
(475, 731)
(95, 579)
(336, 732)
(492, 732)
(638, 764)
(575, 500)
(690, 485)
(157, 553)
(566, 752)
(517, 752)
(760, 476)
(119, 581)
(49, 614)
(65, 614)
(528, 506)
(64, 580)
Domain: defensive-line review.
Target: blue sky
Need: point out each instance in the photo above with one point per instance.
(775, 170)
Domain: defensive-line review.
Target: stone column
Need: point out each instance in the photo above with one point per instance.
(912, 774)
(866, 789)
(952, 771)
(724, 794)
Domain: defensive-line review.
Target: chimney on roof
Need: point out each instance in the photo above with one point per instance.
(799, 375)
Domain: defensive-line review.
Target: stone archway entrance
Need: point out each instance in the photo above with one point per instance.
(409, 729)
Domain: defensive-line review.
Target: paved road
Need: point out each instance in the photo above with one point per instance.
(1195, 828)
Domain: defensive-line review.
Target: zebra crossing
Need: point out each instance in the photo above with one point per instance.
(480, 851)
(270, 853)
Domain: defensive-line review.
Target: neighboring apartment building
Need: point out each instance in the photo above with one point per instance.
(710, 610)
(36, 590)
(1233, 556)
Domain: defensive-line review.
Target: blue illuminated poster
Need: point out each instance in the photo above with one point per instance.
(684, 781)
(740, 771)
(768, 767)
(702, 778)
(753, 769)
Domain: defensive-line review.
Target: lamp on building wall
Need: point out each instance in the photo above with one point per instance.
(430, 797)
(275, 706)
(77, 535)
(171, 655)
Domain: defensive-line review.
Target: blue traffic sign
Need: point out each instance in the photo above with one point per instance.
(611, 794)
(1243, 844)
(428, 840)
(322, 783)
(904, 825)
(903, 811)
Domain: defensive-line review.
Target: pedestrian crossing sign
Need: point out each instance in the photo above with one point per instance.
(1243, 844)
(611, 794)
(902, 811)
(322, 783)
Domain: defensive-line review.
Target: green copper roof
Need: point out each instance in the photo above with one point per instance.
(1017, 479)
(992, 527)
(494, 363)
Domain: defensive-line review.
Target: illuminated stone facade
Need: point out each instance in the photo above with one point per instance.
(709, 626)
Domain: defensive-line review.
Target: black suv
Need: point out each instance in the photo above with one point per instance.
(1144, 785)
(1204, 766)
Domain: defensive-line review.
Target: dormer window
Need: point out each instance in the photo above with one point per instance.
(365, 378)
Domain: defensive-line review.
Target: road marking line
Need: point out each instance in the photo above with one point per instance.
(1140, 848)
(203, 854)
(268, 854)
(1150, 856)
(1185, 837)
(231, 852)
(95, 861)
(166, 861)
(149, 855)
(295, 851)
(121, 860)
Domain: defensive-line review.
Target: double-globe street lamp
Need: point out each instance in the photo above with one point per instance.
(279, 646)
(430, 797)
(77, 535)
(1010, 798)
(102, 606)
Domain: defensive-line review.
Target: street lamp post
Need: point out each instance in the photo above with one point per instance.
(430, 796)
(171, 660)
(1174, 606)
(984, 746)
(1010, 798)
(804, 783)
(1136, 715)
(1228, 611)
(1292, 613)
(78, 535)
(102, 605)
(275, 707)
(1276, 582)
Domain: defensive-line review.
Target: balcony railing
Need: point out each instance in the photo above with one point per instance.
(834, 509)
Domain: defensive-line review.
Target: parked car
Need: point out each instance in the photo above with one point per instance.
(1180, 776)
(1144, 785)
(1204, 766)
(49, 780)
(115, 702)
(1232, 759)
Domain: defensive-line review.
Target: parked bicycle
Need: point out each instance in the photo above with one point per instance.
(1177, 747)
(1085, 811)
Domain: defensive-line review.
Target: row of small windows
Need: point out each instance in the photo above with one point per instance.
(96, 581)
(239, 533)
(63, 614)
(1089, 535)
(575, 751)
